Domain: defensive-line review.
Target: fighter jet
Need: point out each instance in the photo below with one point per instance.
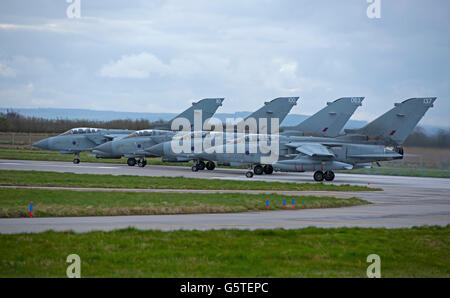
(327, 122)
(78, 140)
(380, 140)
(135, 145)
(81, 139)
(277, 110)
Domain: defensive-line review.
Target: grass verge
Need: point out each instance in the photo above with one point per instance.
(47, 203)
(40, 178)
(310, 252)
(46, 155)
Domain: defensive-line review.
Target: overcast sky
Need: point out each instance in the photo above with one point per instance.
(158, 56)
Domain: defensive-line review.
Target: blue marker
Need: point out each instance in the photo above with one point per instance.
(31, 209)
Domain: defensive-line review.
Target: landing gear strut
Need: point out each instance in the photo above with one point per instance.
(249, 173)
(131, 162)
(76, 159)
(142, 162)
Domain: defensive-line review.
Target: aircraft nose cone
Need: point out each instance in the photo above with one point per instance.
(157, 150)
(42, 144)
(106, 148)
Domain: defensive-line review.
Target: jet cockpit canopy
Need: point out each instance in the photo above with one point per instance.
(80, 130)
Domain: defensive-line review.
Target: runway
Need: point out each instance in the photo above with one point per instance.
(405, 202)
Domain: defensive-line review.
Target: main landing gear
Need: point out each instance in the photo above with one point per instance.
(142, 162)
(210, 165)
(259, 170)
(201, 165)
(76, 159)
(131, 162)
(320, 176)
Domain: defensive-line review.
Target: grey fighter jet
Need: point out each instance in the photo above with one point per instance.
(380, 140)
(135, 145)
(78, 140)
(327, 122)
(277, 109)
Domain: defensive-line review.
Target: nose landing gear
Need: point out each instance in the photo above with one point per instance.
(142, 162)
(76, 159)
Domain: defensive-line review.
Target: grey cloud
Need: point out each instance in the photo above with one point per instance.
(154, 54)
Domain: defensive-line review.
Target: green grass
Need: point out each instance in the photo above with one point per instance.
(310, 252)
(414, 172)
(47, 203)
(45, 155)
(39, 178)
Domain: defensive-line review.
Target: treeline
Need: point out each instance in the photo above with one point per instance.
(14, 122)
(441, 139)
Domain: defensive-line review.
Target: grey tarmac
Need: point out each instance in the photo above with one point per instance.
(404, 202)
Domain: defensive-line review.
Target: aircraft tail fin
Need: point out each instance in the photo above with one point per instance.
(208, 106)
(276, 108)
(394, 126)
(329, 121)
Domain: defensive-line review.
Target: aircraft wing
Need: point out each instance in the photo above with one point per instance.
(312, 149)
(375, 156)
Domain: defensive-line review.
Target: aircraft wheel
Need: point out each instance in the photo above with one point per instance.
(76, 161)
(259, 170)
(318, 176)
(194, 168)
(210, 165)
(329, 175)
(268, 169)
(131, 162)
(249, 174)
(201, 165)
(142, 163)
